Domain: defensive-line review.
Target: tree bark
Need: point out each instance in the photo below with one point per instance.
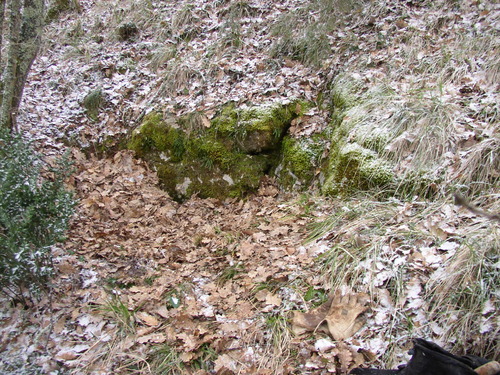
(26, 25)
(9, 73)
(2, 15)
(31, 36)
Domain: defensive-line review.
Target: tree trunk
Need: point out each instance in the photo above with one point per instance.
(26, 25)
(2, 15)
(31, 35)
(9, 74)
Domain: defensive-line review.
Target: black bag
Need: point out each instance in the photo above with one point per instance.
(430, 359)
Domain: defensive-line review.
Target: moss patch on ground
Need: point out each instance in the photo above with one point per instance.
(92, 103)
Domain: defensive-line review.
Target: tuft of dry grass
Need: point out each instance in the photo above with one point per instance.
(162, 56)
(464, 298)
(350, 229)
(178, 79)
(277, 350)
(479, 169)
(422, 131)
(120, 313)
(302, 35)
(184, 17)
(165, 360)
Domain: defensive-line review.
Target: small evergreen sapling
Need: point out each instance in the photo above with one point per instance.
(35, 209)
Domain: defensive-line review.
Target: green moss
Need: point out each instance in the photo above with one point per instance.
(227, 158)
(376, 142)
(353, 167)
(256, 129)
(249, 171)
(154, 135)
(356, 160)
(366, 121)
(140, 140)
(226, 123)
(297, 156)
(177, 140)
(167, 175)
(191, 160)
(299, 160)
(211, 152)
(352, 154)
(182, 180)
(237, 181)
(375, 173)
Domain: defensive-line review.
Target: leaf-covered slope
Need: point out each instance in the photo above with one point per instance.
(149, 286)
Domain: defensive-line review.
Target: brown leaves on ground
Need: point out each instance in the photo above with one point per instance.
(341, 316)
(202, 279)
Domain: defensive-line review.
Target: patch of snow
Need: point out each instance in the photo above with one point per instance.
(323, 345)
(89, 278)
(228, 179)
(182, 188)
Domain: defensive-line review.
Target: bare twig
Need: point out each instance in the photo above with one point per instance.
(461, 201)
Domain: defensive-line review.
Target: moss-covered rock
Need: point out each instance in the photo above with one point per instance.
(182, 180)
(158, 136)
(299, 161)
(223, 158)
(361, 156)
(258, 129)
(353, 167)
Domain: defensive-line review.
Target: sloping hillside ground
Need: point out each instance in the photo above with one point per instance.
(147, 285)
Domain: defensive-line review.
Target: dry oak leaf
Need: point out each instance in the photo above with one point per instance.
(156, 338)
(345, 317)
(148, 319)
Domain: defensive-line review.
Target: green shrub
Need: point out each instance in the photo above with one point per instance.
(35, 209)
